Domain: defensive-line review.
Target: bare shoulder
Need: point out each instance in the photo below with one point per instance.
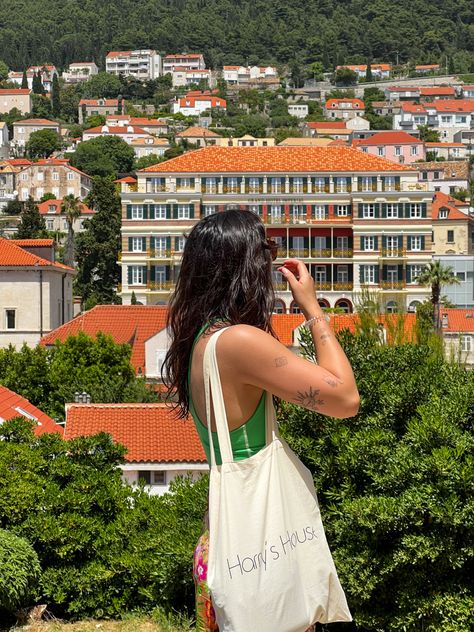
(246, 336)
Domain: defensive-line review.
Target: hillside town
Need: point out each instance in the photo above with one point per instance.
(362, 171)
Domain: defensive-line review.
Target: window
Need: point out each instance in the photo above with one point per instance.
(461, 276)
(40, 175)
(398, 151)
(160, 245)
(137, 275)
(39, 192)
(341, 185)
(368, 210)
(209, 209)
(392, 245)
(183, 211)
(390, 183)
(298, 246)
(415, 271)
(368, 275)
(366, 183)
(24, 176)
(320, 274)
(297, 185)
(137, 244)
(295, 308)
(415, 242)
(275, 212)
(254, 208)
(179, 244)
(55, 175)
(415, 210)
(152, 477)
(392, 211)
(381, 151)
(450, 237)
(319, 211)
(319, 245)
(137, 211)
(342, 243)
(232, 185)
(70, 175)
(342, 210)
(368, 243)
(276, 185)
(160, 358)
(446, 118)
(424, 175)
(414, 150)
(298, 213)
(160, 211)
(254, 185)
(51, 208)
(443, 213)
(392, 274)
(50, 224)
(342, 274)
(279, 307)
(466, 343)
(319, 185)
(70, 190)
(10, 319)
(183, 183)
(436, 175)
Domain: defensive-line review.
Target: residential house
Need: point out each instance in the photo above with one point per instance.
(333, 129)
(379, 71)
(447, 176)
(430, 93)
(56, 220)
(4, 141)
(15, 98)
(183, 61)
(52, 175)
(300, 110)
(8, 172)
(247, 75)
(396, 146)
(150, 125)
(142, 64)
(22, 130)
(46, 72)
(35, 291)
(246, 141)
(426, 69)
(453, 244)
(186, 77)
(402, 93)
(80, 71)
(128, 133)
(457, 328)
(13, 405)
(103, 107)
(150, 146)
(344, 108)
(195, 103)
(159, 448)
(447, 116)
(448, 151)
(354, 218)
(386, 108)
(467, 92)
(199, 136)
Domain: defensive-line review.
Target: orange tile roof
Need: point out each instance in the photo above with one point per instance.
(127, 179)
(275, 159)
(443, 144)
(36, 121)
(119, 53)
(39, 243)
(404, 88)
(19, 162)
(452, 105)
(390, 138)
(115, 129)
(184, 56)
(416, 108)
(15, 91)
(11, 255)
(444, 201)
(106, 102)
(44, 207)
(193, 132)
(13, 405)
(130, 324)
(150, 432)
(426, 66)
(335, 103)
(284, 326)
(459, 320)
(428, 92)
(327, 125)
(186, 102)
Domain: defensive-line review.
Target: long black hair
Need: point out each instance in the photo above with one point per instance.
(226, 277)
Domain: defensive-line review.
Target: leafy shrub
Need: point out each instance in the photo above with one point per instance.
(19, 571)
(396, 488)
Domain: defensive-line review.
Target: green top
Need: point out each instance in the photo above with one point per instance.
(246, 440)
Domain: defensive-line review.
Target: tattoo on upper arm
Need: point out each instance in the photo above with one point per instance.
(309, 398)
(281, 361)
(332, 382)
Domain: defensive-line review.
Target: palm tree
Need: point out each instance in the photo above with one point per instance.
(71, 209)
(436, 275)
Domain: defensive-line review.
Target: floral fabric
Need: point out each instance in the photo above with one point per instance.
(205, 615)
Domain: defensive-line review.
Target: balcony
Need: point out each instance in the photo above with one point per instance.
(322, 285)
(298, 253)
(321, 253)
(232, 190)
(300, 190)
(392, 285)
(342, 252)
(153, 253)
(279, 219)
(346, 285)
(393, 252)
(254, 190)
(158, 188)
(160, 286)
(280, 286)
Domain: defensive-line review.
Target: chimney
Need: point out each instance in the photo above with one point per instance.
(444, 321)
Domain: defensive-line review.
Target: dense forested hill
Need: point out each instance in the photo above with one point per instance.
(238, 31)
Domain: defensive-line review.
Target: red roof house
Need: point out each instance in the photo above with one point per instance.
(13, 405)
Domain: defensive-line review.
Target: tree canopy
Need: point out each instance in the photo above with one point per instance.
(104, 156)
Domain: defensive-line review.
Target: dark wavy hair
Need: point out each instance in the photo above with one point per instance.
(226, 276)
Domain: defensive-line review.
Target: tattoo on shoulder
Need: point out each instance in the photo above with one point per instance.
(281, 361)
(309, 398)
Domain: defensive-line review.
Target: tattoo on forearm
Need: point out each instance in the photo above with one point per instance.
(309, 398)
(324, 338)
(281, 361)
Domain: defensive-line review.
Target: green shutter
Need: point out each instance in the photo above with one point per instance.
(167, 273)
(192, 210)
(377, 274)
(175, 211)
(144, 244)
(408, 274)
(361, 273)
(400, 272)
(362, 242)
(326, 211)
(397, 183)
(145, 211)
(130, 244)
(376, 243)
(152, 242)
(129, 211)
(168, 244)
(144, 275)
(129, 274)
(409, 242)
(401, 212)
(168, 211)
(422, 242)
(376, 210)
(348, 183)
(384, 241)
(384, 210)
(400, 241)
(152, 273)
(193, 180)
(407, 209)
(423, 209)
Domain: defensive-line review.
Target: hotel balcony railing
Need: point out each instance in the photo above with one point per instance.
(392, 285)
(209, 189)
(158, 188)
(322, 285)
(153, 253)
(298, 252)
(254, 190)
(321, 252)
(280, 286)
(342, 252)
(393, 252)
(321, 189)
(233, 190)
(160, 286)
(185, 188)
(278, 219)
(347, 285)
(301, 190)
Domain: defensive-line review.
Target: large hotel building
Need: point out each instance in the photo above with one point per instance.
(356, 220)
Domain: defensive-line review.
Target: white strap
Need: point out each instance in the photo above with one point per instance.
(212, 384)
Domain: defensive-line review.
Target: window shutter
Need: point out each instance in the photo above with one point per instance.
(167, 273)
(384, 241)
(151, 211)
(407, 209)
(130, 244)
(152, 273)
(377, 274)
(168, 244)
(351, 273)
(168, 211)
(422, 242)
(361, 273)
(129, 211)
(362, 242)
(326, 185)
(423, 209)
(348, 183)
(144, 275)
(401, 212)
(326, 211)
(397, 183)
(175, 211)
(384, 210)
(408, 274)
(376, 243)
(145, 211)
(306, 243)
(409, 242)
(400, 272)
(374, 183)
(192, 210)
(377, 210)
(192, 180)
(152, 242)
(129, 274)
(400, 241)
(144, 244)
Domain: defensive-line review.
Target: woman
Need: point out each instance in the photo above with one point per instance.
(226, 281)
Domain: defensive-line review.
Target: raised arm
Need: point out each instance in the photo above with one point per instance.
(258, 359)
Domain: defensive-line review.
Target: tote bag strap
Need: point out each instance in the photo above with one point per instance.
(212, 384)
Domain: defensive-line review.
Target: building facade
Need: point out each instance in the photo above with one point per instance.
(103, 107)
(356, 220)
(4, 141)
(395, 146)
(56, 220)
(141, 64)
(344, 108)
(80, 71)
(183, 61)
(19, 98)
(46, 72)
(52, 175)
(22, 130)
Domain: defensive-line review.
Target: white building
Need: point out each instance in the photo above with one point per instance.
(241, 75)
(379, 71)
(190, 77)
(195, 103)
(150, 125)
(447, 116)
(142, 64)
(300, 110)
(159, 447)
(35, 291)
(183, 61)
(46, 72)
(128, 133)
(80, 71)
(56, 220)
(4, 141)
(344, 108)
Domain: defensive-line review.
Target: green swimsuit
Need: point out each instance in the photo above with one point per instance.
(246, 440)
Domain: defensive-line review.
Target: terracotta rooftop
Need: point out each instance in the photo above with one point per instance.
(198, 132)
(18, 162)
(45, 208)
(12, 255)
(150, 432)
(452, 105)
(326, 125)
(36, 121)
(356, 104)
(15, 91)
(14, 405)
(275, 159)
(32, 243)
(127, 179)
(130, 324)
(453, 169)
(437, 90)
(115, 129)
(458, 320)
(446, 202)
(390, 138)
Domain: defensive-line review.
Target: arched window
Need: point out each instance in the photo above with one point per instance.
(279, 307)
(323, 303)
(345, 305)
(413, 305)
(392, 307)
(294, 308)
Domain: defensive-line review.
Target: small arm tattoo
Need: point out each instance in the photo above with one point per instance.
(309, 398)
(324, 337)
(331, 382)
(281, 361)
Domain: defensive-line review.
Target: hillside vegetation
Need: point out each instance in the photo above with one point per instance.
(241, 31)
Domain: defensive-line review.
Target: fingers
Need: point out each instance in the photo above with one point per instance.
(296, 267)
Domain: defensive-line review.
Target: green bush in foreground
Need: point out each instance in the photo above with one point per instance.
(19, 572)
(396, 488)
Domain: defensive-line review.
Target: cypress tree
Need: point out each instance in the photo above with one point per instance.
(368, 72)
(32, 224)
(56, 96)
(24, 80)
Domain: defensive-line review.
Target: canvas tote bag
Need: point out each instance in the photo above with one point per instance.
(269, 567)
